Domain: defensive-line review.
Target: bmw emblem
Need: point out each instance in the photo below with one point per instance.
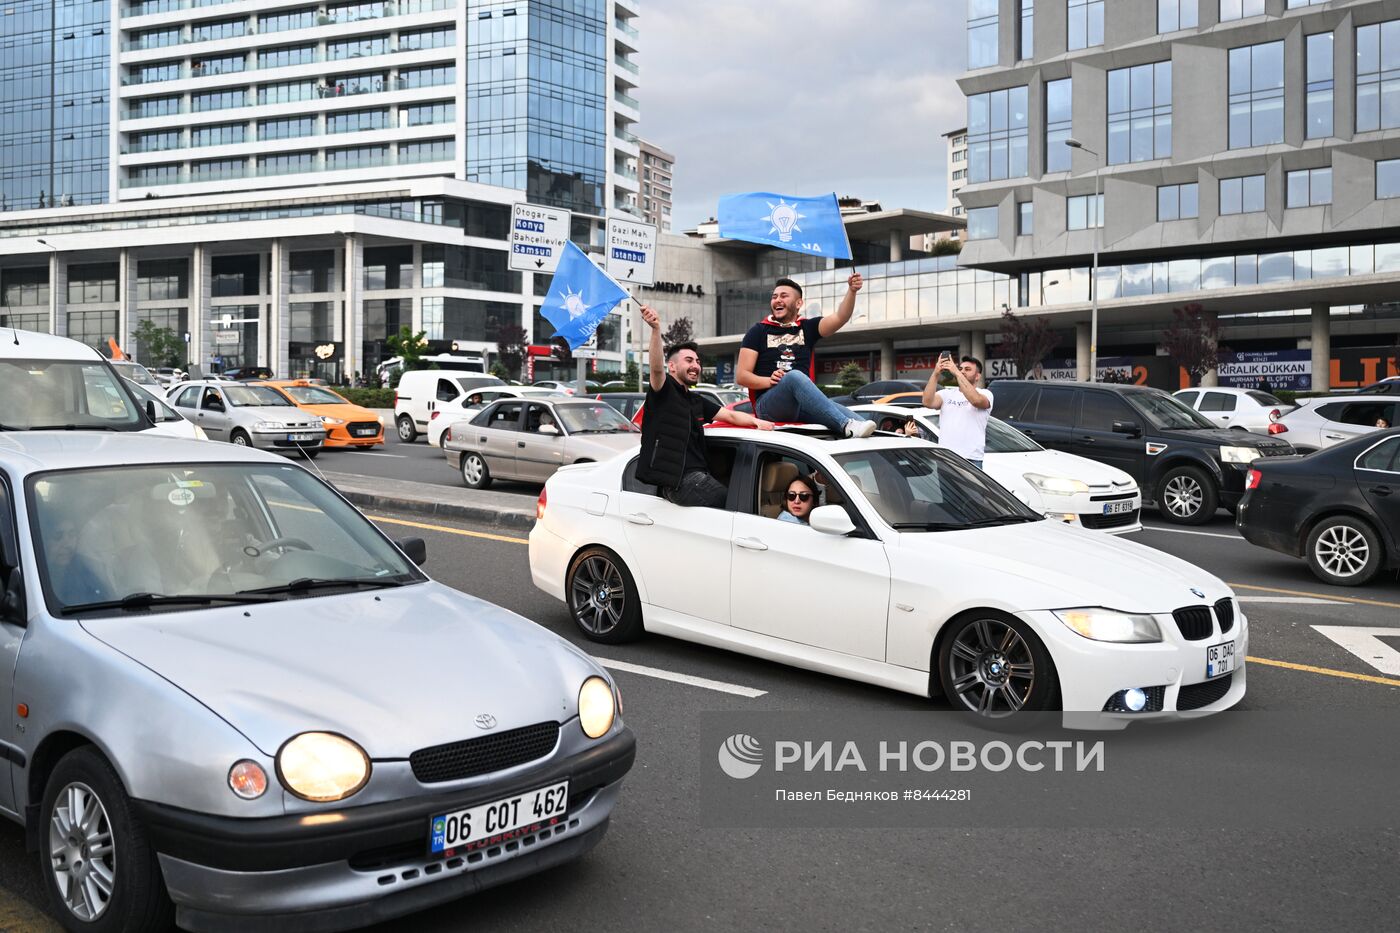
(1198, 593)
(485, 721)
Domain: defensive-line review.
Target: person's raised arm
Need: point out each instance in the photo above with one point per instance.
(831, 323)
(931, 397)
(974, 395)
(658, 362)
(742, 419)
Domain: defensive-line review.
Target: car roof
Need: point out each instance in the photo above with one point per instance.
(815, 443)
(27, 452)
(1234, 390)
(1110, 386)
(38, 345)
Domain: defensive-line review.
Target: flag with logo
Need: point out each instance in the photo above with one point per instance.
(802, 225)
(580, 296)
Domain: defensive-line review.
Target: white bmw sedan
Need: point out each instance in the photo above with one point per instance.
(916, 572)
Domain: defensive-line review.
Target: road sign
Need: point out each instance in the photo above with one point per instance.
(586, 353)
(631, 251)
(226, 338)
(537, 237)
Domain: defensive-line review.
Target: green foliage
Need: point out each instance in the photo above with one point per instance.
(158, 346)
(500, 372)
(852, 376)
(409, 346)
(946, 247)
(1025, 340)
(510, 349)
(367, 398)
(680, 331)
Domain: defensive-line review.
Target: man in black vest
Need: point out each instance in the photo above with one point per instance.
(673, 426)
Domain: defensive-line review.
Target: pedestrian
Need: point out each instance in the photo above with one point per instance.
(775, 361)
(673, 456)
(964, 409)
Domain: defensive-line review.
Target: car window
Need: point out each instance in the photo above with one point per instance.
(446, 390)
(537, 416)
(1014, 400)
(66, 394)
(1265, 399)
(313, 395)
(505, 416)
(1218, 401)
(592, 418)
(9, 542)
(1055, 406)
(211, 400)
(1367, 414)
(775, 473)
(1166, 413)
(1329, 412)
(1385, 456)
(1002, 438)
(189, 398)
(923, 488)
(256, 397)
(1188, 398)
(630, 483)
(1098, 411)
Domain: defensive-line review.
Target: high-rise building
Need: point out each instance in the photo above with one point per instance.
(289, 183)
(658, 166)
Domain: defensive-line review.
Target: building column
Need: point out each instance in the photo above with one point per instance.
(201, 291)
(887, 359)
(1321, 348)
(58, 294)
(1081, 351)
(126, 294)
(279, 319)
(1211, 377)
(979, 345)
(964, 344)
(354, 303)
(897, 241)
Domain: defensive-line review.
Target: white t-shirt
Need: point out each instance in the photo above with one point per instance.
(962, 427)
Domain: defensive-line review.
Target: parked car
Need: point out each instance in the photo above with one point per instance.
(250, 416)
(1178, 458)
(528, 439)
(919, 573)
(570, 387)
(48, 381)
(1239, 409)
(346, 424)
(905, 399)
(1058, 485)
(1387, 386)
(874, 391)
(449, 413)
(626, 403)
(227, 722)
(168, 421)
(1318, 423)
(246, 373)
(421, 391)
(1338, 509)
(135, 372)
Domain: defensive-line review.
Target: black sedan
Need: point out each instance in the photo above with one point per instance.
(1339, 508)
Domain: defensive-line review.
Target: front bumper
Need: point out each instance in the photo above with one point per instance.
(1086, 510)
(339, 869)
(340, 436)
(277, 440)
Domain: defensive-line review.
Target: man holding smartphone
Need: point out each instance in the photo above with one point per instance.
(963, 409)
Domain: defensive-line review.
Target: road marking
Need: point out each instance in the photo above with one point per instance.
(451, 531)
(1342, 599)
(376, 453)
(717, 685)
(1183, 531)
(1363, 643)
(1292, 600)
(1327, 671)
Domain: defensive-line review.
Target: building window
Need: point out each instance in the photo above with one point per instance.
(287, 128)
(997, 135)
(287, 92)
(1310, 187)
(227, 134)
(357, 121)
(161, 280)
(432, 150)
(1027, 38)
(219, 65)
(1388, 179)
(360, 157)
(1025, 218)
(1319, 100)
(1256, 95)
(1178, 202)
(981, 34)
(1378, 76)
(159, 141)
(982, 223)
(219, 100)
(284, 22)
(1085, 24)
(217, 169)
(1140, 113)
(1298, 4)
(1058, 124)
(1239, 9)
(960, 155)
(287, 163)
(223, 29)
(1177, 14)
(361, 47)
(287, 56)
(1243, 195)
(1084, 211)
(437, 38)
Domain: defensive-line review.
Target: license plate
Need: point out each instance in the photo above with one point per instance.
(365, 432)
(301, 438)
(1118, 508)
(1220, 659)
(502, 821)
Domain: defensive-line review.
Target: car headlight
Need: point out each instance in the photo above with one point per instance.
(199, 433)
(270, 426)
(322, 766)
(596, 707)
(325, 419)
(1108, 625)
(1056, 485)
(247, 779)
(1239, 454)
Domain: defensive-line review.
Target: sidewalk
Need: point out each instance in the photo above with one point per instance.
(510, 510)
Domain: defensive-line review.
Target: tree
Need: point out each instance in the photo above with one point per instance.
(159, 346)
(948, 246)
(409, 347)
(1026, 340)
(678, 332)
(851, 377)
(511, 342)
(1192, 340)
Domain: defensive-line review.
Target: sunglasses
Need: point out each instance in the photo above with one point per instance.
(799, 496)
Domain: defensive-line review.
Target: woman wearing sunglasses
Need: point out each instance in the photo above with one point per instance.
(803, 496)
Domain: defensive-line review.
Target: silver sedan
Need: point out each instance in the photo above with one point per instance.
(241, 706)
(528, 439)
(249, 416)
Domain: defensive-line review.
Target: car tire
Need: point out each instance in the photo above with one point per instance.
(1187, 496)
(602, 597)
(1344, 551)
(136, 898)
(992, 664)
(408, 432)
(241, 438)
(475, 473)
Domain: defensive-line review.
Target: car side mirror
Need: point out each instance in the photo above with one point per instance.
(12, 603)
(1130, 428)
(548, 429)
(415, 549)
(151, 410)
(831, 520)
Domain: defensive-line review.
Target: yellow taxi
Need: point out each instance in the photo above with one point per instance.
(347, 424)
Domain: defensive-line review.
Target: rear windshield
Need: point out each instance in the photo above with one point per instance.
(65, 394)
(1265, 399)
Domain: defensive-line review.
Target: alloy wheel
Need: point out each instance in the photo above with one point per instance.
(599, 595)
(81, 852)
(1184, 496)
(1341, 550)
(992, 668)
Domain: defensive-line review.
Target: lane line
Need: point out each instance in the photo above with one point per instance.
(1341, 599)
(690, 680)
(1327, 671)
(1183, 531)
(1366, 644)
(379, 453)
(1292, 600)
(446, 530)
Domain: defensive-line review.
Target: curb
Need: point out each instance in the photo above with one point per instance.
(507, 518)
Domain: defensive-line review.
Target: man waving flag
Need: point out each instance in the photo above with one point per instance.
(802, 225)
(580, 296)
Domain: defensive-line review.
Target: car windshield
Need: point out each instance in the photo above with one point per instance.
(728, 397)
(255, 397)
(311, 395)
(1264, 398)
(1167, 413)
(136, 373)
(163, 411)
(181, 536)
(65, 395)
(1002, 438)
(592, 418)
(929, 489)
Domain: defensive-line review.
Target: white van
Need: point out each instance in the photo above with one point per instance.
(422, 391)
(455, 361)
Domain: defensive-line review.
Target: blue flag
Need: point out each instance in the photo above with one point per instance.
(580, 297)
(803, 225)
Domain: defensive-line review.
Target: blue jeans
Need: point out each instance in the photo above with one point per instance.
(795, 398)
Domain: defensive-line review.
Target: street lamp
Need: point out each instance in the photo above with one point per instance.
(1043, 286)
(1094, 274)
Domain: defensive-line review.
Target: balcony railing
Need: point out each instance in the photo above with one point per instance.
(185, 72)
(324, 92)
(187, 177)
(383, 11)
(626, 136)
(626, 64)
(625, 29)
(630, 101)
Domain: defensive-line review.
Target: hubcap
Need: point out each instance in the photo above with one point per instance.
(241, 441)
(471, 468)
(81, 854)
(1184, 496)
(991, 668)
(405, 431)
(599, 596)
(1342, 551)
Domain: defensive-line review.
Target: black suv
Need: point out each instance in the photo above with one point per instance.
(1188, 465)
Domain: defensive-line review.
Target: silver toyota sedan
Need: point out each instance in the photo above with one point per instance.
(241, 706)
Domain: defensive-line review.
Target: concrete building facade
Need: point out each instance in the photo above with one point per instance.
(658, 170)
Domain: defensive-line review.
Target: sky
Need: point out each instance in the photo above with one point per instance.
(802, 97)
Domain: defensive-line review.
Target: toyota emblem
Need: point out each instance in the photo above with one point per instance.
(1198, 593)
(485, 721)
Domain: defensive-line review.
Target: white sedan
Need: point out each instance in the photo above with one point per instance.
(916, 573)
(447, 414)
(1241, 409)
(1062, 486)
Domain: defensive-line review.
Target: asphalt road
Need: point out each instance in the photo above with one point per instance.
(661, 865)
